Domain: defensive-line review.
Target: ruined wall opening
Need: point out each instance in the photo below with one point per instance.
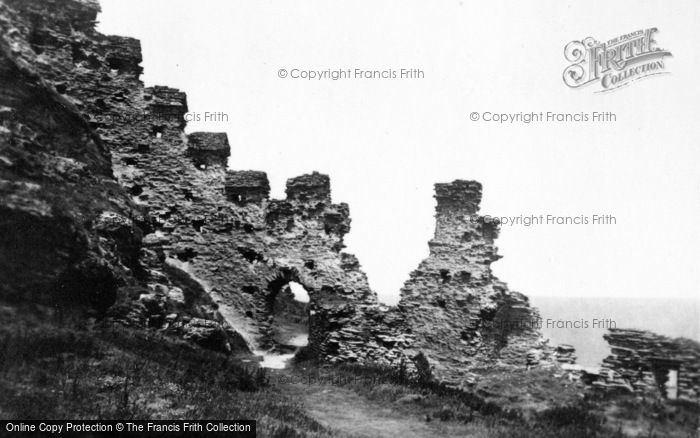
(157, 131)
(672, 384)
(666, 373)
(300, 293)
(289, 310)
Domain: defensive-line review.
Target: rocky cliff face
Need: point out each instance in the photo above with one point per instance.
(106, 198)
(67, 229)
(71, 233)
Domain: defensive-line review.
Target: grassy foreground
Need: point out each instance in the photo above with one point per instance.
(532, 404)
(51, 371)
(61, 370)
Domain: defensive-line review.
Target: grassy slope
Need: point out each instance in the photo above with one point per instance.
(51, 370)
(448, 412)
(522, 414)
(58, 371)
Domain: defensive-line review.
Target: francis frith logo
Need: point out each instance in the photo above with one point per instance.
(614, 63)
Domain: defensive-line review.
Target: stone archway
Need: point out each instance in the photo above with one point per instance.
(288, 306)
(290, 324)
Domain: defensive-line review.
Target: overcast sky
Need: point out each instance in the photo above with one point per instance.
(386, 142)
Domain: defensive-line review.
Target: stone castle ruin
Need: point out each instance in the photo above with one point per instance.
(652, 364)
(108, 203)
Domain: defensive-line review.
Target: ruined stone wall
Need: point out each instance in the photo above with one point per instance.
(67, 229)
(461, 315)
(642, 360)
(216, 245)
(71, 233)
(206, 226)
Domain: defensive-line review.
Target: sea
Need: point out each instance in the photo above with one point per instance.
(582, 322)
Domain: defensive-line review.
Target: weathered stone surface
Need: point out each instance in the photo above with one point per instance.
(55, 174)
(208, 148)
(565, 353)
(70, 234)
(207, 333)
(642, 360)
(229, 258)
(245, 186)
(461, 315)
(314, 186)
(191, 247)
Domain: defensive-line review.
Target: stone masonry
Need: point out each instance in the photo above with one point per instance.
(643, 360)
(210, 240)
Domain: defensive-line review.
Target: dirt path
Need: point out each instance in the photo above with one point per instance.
(343, 410)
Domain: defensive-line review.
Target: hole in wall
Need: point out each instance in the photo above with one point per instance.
(116, 63)
(250, 254)
(136, 190)
(300, 293)
(198, 223)
(288, 304)
(186, 255)
(157, 131)
(671, 385)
